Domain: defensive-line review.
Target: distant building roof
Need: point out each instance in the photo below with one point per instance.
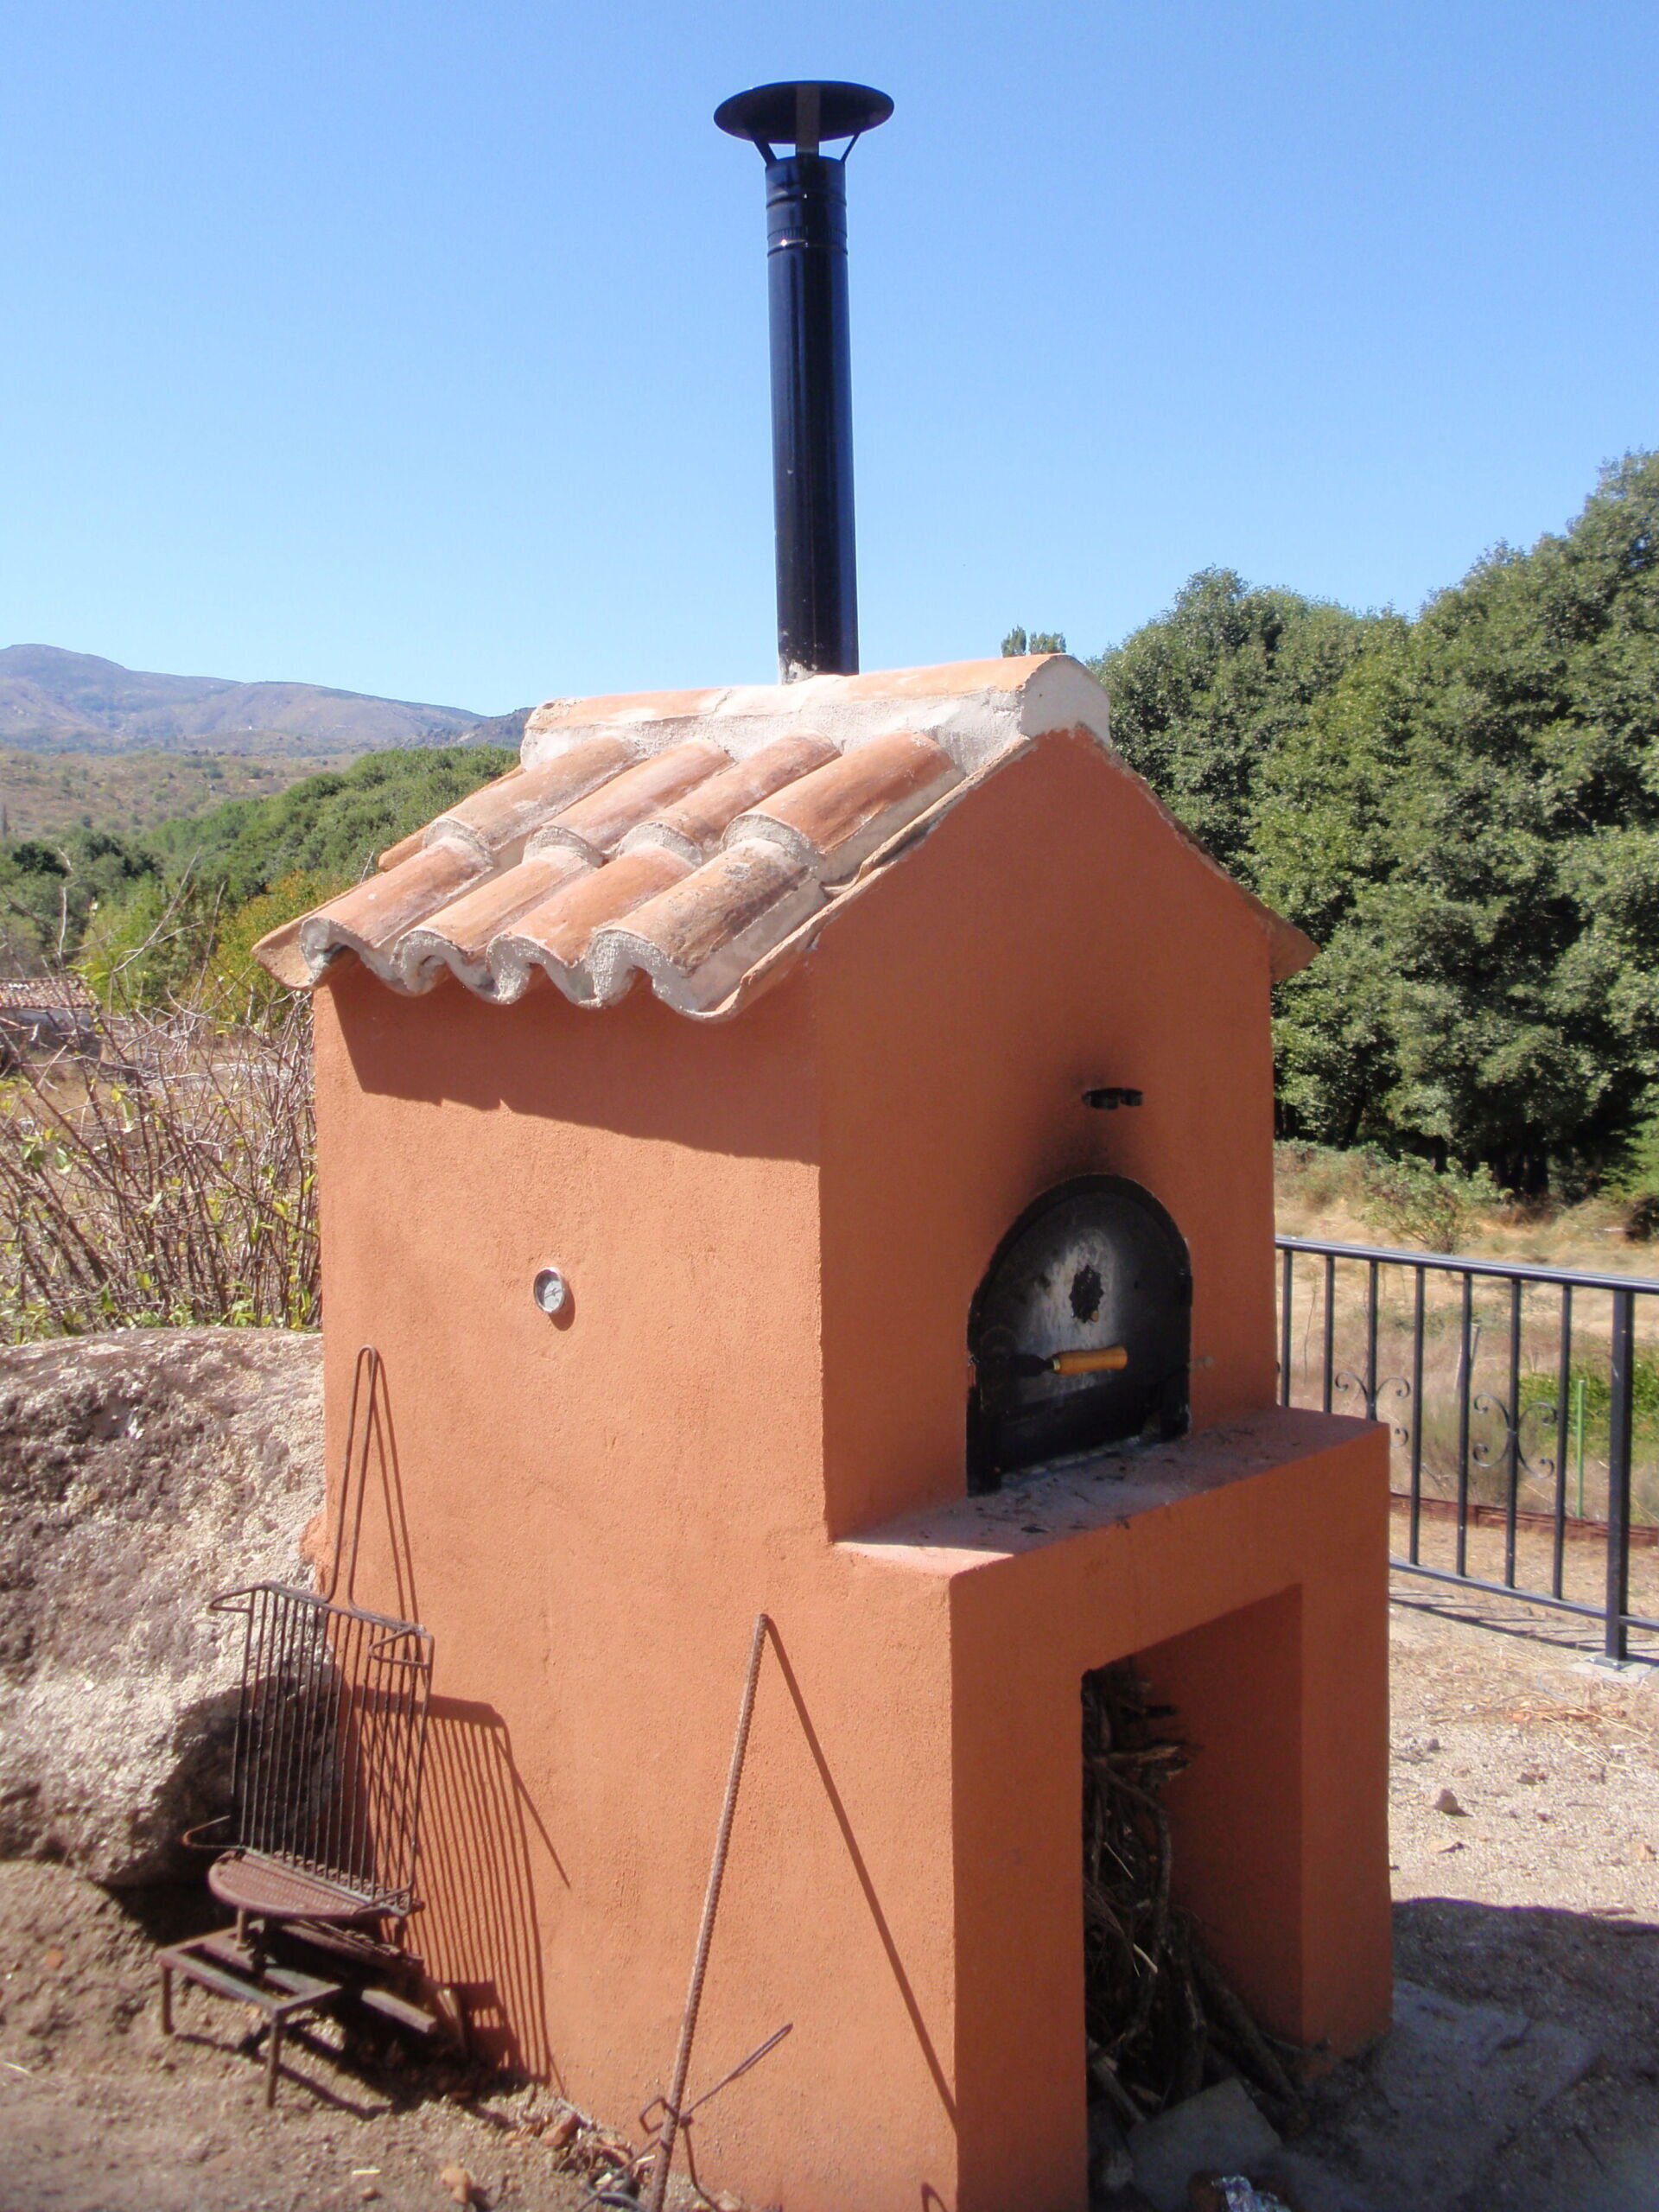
(37, 994)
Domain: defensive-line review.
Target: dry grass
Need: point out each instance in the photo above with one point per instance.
(1496, 1396)
(161, 1174)
(43, 794)
(1339, 1196)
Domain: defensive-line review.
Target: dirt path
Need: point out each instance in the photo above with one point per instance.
(1529, 1916)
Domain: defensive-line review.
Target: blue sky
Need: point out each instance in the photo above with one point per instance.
(421, 349)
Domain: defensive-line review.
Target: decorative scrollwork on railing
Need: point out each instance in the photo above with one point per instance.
(1489, 1452)
(1541, 1410)
(1481, 1452)
(1371, 1398)
(1514, 1438)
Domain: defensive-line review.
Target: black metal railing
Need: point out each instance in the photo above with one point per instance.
(1523, 1408)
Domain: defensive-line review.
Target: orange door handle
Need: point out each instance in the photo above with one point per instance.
(1111, 1359)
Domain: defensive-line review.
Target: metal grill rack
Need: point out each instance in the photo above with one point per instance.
(326, 1768)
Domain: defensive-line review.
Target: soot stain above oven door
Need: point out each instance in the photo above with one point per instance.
(1080, 1334)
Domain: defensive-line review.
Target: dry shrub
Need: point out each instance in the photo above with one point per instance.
(160, 1171)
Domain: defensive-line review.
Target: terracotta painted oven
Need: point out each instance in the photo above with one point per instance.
(885, 1077)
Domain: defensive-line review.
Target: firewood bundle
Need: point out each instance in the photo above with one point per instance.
(1162, 2021)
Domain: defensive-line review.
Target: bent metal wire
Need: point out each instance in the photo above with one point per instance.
(1500, 1431)
(330, 1730)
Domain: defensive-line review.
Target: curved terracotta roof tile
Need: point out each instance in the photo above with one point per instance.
(458, 936)
(555, 934)
(696, 837)
(835, 818)
(695, 825)
(372, 917)
(502, 818)
(597, 823)
(406, 847)
(697, 941)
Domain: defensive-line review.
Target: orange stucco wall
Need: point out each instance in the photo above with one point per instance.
(773, 1228)
(1254, 1588)
(1053, 933)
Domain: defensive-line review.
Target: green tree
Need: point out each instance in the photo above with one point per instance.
(1463, 809)
(50, 888)
(1470, 823)
(1203, 697)
(236, 988)
(176, 916)
(336, 823)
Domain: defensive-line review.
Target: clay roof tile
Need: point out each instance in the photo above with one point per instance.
(697, 941)
(696, 837)
(459, 935)
(835, 818)
(555, 935)
(597, 823)
(694, 826)
(372, 917)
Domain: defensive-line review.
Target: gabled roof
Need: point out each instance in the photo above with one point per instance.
(697, 838)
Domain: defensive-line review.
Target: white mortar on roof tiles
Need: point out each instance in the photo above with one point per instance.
(973, 726)
(695, 824)
(670, 840)
(460, 933)
(499, 820)
(372, 919)
(835, 818)
(513, 964)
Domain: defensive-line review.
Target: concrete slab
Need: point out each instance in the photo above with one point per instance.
(1434, 2105)
(1219, 2131)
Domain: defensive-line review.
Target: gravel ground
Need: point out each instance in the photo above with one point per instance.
(1524, 1773)
(1538, 1895)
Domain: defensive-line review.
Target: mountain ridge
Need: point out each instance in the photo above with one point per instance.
(54, 701)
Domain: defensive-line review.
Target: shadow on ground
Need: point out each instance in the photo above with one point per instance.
(1523, 2071)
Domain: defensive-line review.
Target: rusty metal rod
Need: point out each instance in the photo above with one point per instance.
(706, 1929)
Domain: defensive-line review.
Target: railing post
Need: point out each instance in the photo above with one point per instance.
(1417, 1415)
(1285, 1294)
(1512, 1456)
(1620, 1424)
(1563, 1431)
(1465, 1360)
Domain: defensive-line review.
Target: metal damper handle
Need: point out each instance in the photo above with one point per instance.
(1109, 1359)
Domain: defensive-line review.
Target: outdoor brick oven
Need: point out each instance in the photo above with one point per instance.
(767, 1018)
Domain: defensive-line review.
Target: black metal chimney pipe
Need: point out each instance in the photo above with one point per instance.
(812, 360)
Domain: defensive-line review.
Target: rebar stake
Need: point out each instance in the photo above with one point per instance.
(706, 1930)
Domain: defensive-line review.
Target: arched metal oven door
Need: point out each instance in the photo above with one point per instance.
(1093, 1265)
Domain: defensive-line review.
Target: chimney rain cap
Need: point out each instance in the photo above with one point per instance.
(803, 116)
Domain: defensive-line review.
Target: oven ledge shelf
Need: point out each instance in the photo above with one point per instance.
(1039, 1511)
